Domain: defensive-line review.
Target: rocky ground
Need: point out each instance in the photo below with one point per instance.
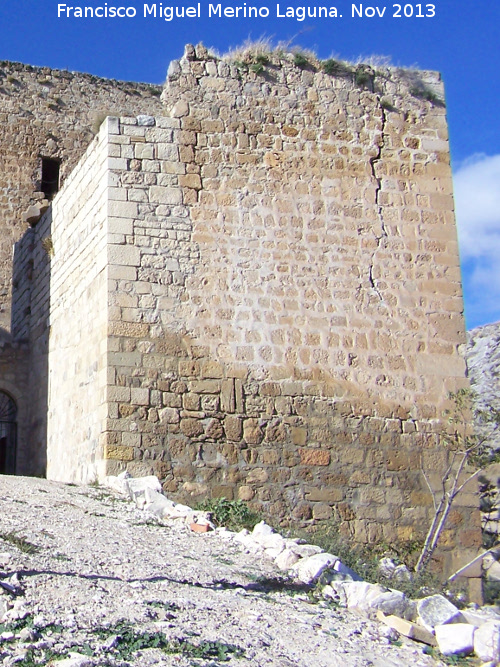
(483, 366)
(89, 579)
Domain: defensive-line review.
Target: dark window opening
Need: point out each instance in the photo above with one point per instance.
(8, 415)
(50, 177)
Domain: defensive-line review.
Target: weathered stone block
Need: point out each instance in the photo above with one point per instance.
(119, 453)
(233, 427)
(299, 435)
(246, 493)
(325, 495)
(205, 386)
(257, 476)
(191, 427)
(314, 457)
(252, 432)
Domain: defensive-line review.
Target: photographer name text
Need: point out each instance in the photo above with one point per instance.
(244, 11)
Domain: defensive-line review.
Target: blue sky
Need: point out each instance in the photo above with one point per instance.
(461, 40)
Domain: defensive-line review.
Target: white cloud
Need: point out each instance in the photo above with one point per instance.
(477, 200)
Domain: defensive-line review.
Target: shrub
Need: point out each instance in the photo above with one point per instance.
(299, 60)
(232, 514)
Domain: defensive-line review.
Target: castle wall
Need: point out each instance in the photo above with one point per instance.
(285, 303)
(55, 114)
(77, 369)
(30, 326)
(60, 296)
(256, 295)
(14, 373)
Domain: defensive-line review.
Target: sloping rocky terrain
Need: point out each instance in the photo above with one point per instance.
(89, 579)
(483, 364)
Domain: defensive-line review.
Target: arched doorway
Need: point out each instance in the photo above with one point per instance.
(8, 428)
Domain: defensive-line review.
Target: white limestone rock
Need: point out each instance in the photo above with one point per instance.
(340, 572)
(487, 641)
(304, 550)
(137, 488)
(480, 616)
(261, 530)
(246, 539)
(174, 70)
(178, 511)
(274, 541)
(401, 575)
(75, 660)
(386, 567)
(493, 572)
(4, 607)
(146, 121)
(483, 365)
(366, 597)
(118, 483)
(455, 638)
(436, 610)
(158, 504)
(5, 557)
(273, 552)
(286, 559)
(309, 569)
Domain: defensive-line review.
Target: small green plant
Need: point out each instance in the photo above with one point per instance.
(156, 91)
(206, 650)
(240, 65)
(19, 542)
(458, 659)
(17, 625)
(257, 68)
(167, 606)
(34, 657)
(334, 67)
(423, 93)
(48, 245)
(299, 60)
(233, 514)
(61, 557)
(130, 640)
(262, 59)
(386, 105)
(362, 77)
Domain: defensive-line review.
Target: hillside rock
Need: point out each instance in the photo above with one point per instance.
(94, 578)
(483, 365)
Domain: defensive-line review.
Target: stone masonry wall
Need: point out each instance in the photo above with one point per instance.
(282, 297)
(78, 319)
(55, 114)
(30, 329)
(14, 373)
(285, 305)
(60, 306)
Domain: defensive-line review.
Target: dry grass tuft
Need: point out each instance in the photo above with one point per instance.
(374, 60)
(250, 49)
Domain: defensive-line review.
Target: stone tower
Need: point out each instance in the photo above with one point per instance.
(251, 288)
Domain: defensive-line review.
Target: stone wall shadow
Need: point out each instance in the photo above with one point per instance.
(31, 328)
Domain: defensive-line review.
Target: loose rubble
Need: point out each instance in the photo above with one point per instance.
(90, 578)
